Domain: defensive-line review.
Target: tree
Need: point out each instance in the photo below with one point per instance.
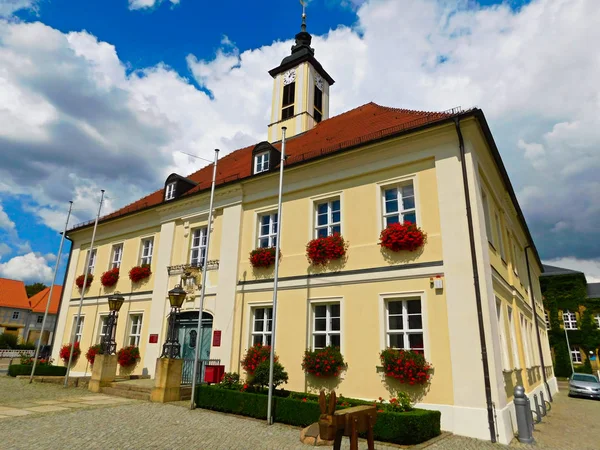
(562, 363)
(261, 375)
(34, 288)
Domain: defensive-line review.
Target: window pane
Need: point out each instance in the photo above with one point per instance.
(258, 325)
(391, 206)
(408, 191)
(259, 314)
(413, 306)
(395, 307)
(395, 323)
(415, 322)
(335, 324)
(322, 232)
(391, 194)
(396, 340)
(320, 324)
(264, 229)
(269, 313)
(336, 229)
(322, 208)
(322, 219)
(269, 325)
(320, 311)
(411, 217)
(335, 310)
(416, 340)
(320, 340)
(264, 242)
(256, 339)
(267, 339)
(335, 340)
(408, 202)
(336, 216)
(392, 219)
(335, 205)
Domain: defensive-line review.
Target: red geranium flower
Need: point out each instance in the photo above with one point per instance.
(65, 352)
(402, 236)
(322, 250)
(110, 277)
(405, 366)
(139, 273)
(311, 362)
(263, 257)
(79, 281)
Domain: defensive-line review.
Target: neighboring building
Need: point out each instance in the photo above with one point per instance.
(567, 298)
(14, 308)
(36, 316)
(353, 174)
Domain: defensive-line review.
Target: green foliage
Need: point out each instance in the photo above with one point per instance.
(404, 428)
(8, 341)
(260, 377)
(562, 362)
(231, 380)
(563, 292)
(590, 338)
(44, 370)
(401, 403)
(34, 288)
(585, 368)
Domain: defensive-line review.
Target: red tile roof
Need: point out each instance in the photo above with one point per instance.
(38, 301)
(357, 126)
(13, 294)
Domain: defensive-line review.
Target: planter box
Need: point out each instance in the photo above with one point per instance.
(405, 428)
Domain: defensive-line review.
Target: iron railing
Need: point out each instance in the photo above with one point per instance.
(187, 372)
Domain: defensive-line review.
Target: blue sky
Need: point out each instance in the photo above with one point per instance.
(173, 53)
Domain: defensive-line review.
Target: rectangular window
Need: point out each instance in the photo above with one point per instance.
(326, 325)
(262, 325)
(501, 331)
(261, 162)
(404, 325)
(198, 248)
(289, 95)
(318, 113)
(547, 320)
(16, 315)
(515, 262)
(170, 191)
(513, 338)
(117, 255)
(147, 248)
(78, 328)
(570, 320)
(40, 319)
(267, 230)
(525, 342)
(486, 215)
(135, 329)
(103, 327)
(500, 240)
(399, 205)
(575, 354)
(328, 218)
(91, 261)
(597, 318)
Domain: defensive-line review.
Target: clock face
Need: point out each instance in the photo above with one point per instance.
(319, 81)
(289, 77)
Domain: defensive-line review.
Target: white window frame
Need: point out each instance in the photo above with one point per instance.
(134, 337)
(102, 327)
(569, 320)
(405, 331)
(597, 318)
(328, 331)
(525, 341)
(264, 333)
(271, 236)
(78, 328)
(486, 216)
(576, 355)
(92, 260)
(500, 239)
(116, 256)
(202, 233)
(170, 191)
(513, 337)
(40, 319)
(146, 252)
(501, 333)
(402, 211)
(330, 223)
(262, 162)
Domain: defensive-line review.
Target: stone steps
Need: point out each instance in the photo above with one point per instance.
(127, 393)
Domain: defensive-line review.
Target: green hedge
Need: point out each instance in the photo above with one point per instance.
(405, 428)
(25, 369)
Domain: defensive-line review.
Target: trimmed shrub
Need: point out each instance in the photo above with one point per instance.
(260, 377)
(294, 408)
(44, 370)
(8, 341)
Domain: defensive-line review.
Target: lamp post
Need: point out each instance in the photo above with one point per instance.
(109, 346)
(172, 347)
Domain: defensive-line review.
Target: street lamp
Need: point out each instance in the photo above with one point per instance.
(171, 347)
(109, 346)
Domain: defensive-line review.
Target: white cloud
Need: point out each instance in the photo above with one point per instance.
(5, 222)
(4, 249)
(28, 268)
(7, 7)
(141, 4)
(590, 267)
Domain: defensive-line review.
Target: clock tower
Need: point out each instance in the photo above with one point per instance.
(300, 90)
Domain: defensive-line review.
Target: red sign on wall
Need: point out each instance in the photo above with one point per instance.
(217, 338)
(153, 339)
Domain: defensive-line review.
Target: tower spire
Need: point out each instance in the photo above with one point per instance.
(303, 3)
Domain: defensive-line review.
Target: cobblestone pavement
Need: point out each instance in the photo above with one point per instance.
(572, 425)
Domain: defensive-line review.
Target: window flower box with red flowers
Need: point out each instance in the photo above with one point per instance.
(128, 357)
(139, 273)
(402, 236)
(110, 277)
(94, 350)
(255, 355)
(325, 362)
(79, 281)
(263, 257)
(322, 250)
(406, 366)
(65, 352)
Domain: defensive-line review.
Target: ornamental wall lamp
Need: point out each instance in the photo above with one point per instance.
(172, 347)
(108, 344)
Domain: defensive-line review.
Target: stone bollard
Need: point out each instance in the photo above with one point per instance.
(524, 418)
(538, 413)
(543, 404)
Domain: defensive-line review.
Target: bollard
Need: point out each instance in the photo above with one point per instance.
(543, 404)
(538, 414)
(523, 413)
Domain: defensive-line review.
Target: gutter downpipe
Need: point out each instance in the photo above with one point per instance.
(484, 356)
(537, 326)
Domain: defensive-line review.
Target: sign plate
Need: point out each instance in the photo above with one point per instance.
(216, 338)
(153, 339)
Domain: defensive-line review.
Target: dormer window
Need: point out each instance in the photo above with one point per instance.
(261, 162)
(170, 191)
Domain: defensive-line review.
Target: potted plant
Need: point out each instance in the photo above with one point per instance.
(110, 277)
(263, 257)
(79, 281)
(139, 273)
(402, 236)
(65, 352)
(322, 250)
(325, 362)
(94, 350)
(406, 366)
(128, 357)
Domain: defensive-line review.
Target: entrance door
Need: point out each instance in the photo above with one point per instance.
(188, 332)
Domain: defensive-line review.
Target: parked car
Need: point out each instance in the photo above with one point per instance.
(584, 385)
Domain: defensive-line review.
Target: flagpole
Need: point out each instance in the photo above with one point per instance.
(85, 276)
(276, 279)
(203, 286)
(62, 240)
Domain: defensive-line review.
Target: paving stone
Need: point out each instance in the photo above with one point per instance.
(48, 402)
(15, 412)
(46, 408)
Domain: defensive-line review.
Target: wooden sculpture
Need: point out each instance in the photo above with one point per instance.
(333, 425)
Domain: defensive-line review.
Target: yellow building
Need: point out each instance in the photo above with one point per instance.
(474, 283)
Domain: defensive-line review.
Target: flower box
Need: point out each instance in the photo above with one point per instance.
(326, 362)
(80, 278)
(139, 273)
(406, 366)
(263, 257)
(94, 350)
(128, 357)
(65, 352)
(110, 277)
(322, 250)
(402, 236)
